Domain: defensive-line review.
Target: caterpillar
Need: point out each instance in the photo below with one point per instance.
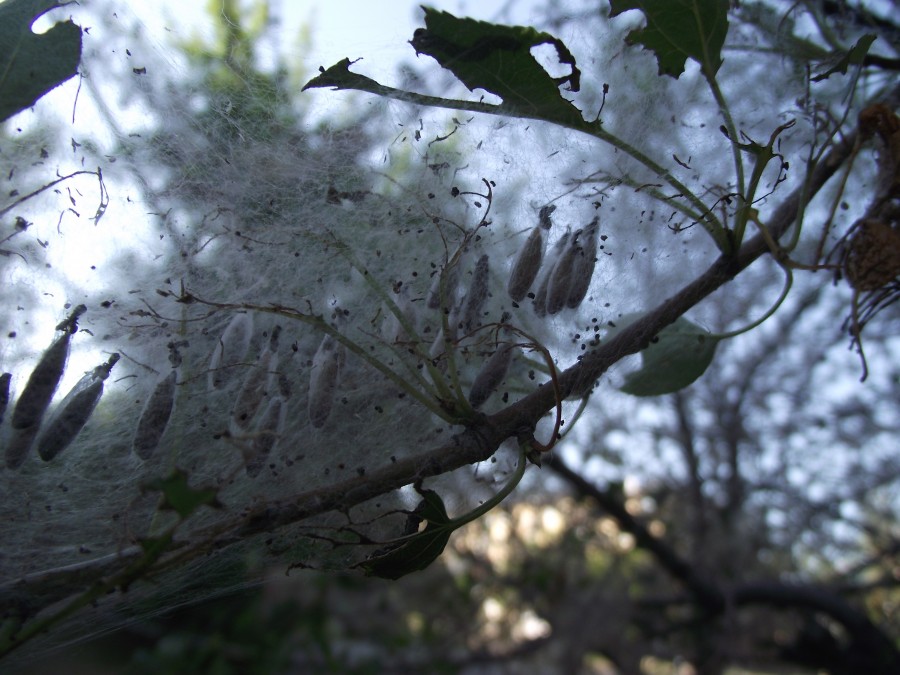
(45, 377)
(561, 279)
(155, 417)
(491, 375)
(4, 393)
(540, 297)
(230, 350)
(268, 430)
(257, 384)
(528, 262)
(477, 295)
(323, 381)
(583, 270)
(450, 275)
(74, 411)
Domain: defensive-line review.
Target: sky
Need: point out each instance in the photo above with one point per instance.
(321, 33)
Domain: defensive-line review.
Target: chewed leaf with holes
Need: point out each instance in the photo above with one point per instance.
(420, 550)
(852, 57)
(498, 59)
(32, 64)
(681, 353)
(678, 30)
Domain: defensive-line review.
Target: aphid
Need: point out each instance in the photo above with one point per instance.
(45, 377)
(540, 296)
(323, 380)
(155, 417)
(528, 262)
(491, 375)
(4, 393)
(477, 295)
(230, 350)
(74, 411)
(270, 426)
(583, 271)
(257, 384)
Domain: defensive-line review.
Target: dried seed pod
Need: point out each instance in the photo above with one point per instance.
(561, 278)
(323, 380)
(73, 413)
(230, 350)
(270, 426)
(45, 377)
(540, 296)
(4, 393)
(155, 417)
(491, 375)
(470, 317)
(583, 271)
(257, 384)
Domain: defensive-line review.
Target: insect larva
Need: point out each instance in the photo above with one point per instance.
(155, 417)
(230, 350)
(477, 295)
(561, 279)
(540, 296)
(4, 393)
(323, 381)
(74, 411)
(257, 384)
(267, 432)
(491, 375)
(584, 266)
(45, 377)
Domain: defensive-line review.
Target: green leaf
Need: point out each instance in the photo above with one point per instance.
(498, 59)
(31, 64)
(853, 57)
(678, 30)
(181, 497)
(420, 550)
(680, 354)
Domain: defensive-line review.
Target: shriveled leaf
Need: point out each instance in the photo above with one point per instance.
(340, 77)
(420, 550)
(678, 30)
(681, 354)
(852, 57)
(180, 497)
(498, 59)
(32, 64)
